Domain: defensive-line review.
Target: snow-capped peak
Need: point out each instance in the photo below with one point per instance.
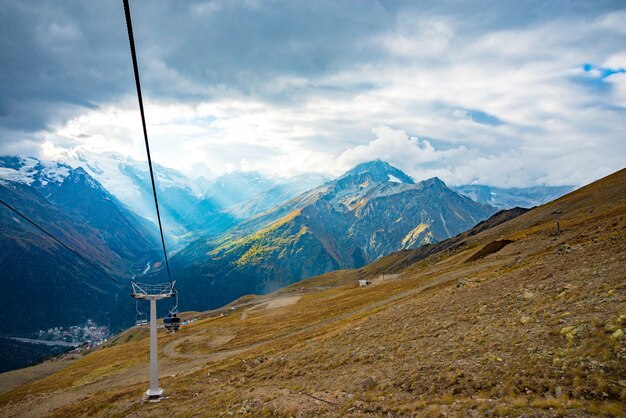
(31, 171)
(380, 171)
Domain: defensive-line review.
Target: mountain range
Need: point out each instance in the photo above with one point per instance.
(189, 204)
(506, 198)
(368, 212)
(129, 181)
(238, 233)
(44, 284)
(509, 318)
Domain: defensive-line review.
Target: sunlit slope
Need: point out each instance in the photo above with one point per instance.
(369, 212)
(536, 327)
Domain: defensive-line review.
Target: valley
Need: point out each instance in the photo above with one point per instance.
(460, 327)
(257, 244)
(240, 233)
(47, 286)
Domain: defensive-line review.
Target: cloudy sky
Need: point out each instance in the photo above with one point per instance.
(497, 92)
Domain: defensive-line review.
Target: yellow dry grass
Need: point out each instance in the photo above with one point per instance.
(530, 329)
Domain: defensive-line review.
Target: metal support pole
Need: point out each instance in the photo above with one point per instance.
(154, 393)
(558, 213)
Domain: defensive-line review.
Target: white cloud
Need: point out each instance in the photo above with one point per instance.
(398, 148)
(426, 74)
(618, 81)
(528, 165)
(614, 22)
(419, 38)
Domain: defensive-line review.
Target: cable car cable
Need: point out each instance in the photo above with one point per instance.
(131, 40)
(59, 241)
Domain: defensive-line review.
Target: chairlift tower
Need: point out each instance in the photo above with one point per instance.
(153, 292)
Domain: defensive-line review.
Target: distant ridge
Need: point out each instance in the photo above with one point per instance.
(505, 198)
(366, 213)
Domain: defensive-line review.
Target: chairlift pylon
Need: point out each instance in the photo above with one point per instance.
(153, 293)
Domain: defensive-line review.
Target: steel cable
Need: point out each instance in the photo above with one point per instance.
(59, 241)
(131, 40)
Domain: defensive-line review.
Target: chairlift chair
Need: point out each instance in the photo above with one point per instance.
(141, 318)
(172, 320)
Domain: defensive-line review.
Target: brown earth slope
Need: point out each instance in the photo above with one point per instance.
(535, 328)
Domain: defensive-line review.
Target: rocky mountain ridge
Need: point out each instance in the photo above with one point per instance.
(370, 211)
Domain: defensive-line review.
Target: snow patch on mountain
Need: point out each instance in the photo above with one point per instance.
(10, 175)
(31, 171)
(129, 180)
(106, 168)
(111, 169)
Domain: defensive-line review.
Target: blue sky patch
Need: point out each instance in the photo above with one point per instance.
(603, 72)
(483, 118)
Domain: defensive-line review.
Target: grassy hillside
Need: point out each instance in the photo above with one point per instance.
(470, 328)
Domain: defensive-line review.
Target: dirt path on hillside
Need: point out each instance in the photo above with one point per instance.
(170, 365)
(279, 302)
(170, 349)
(284, 301)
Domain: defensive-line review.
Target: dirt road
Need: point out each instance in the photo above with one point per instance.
(170, 349)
